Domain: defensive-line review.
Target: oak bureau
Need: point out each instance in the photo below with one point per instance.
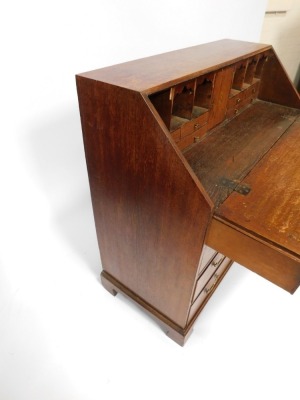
(193, 162)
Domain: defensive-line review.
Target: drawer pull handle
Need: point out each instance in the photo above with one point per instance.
(238, 101)
(197, 139)
(236, 111)
(197, 126)
(216, 263)
(208, 290)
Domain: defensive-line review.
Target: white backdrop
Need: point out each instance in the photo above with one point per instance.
(62, 336)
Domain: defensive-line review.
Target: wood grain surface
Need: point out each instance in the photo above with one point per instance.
(272, 208)
(150, 213)
(160, 71)
(266, 259)
(232, 150)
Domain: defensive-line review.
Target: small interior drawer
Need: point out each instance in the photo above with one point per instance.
(239, 98)
(194, 124)
(207, 273)
(235, 100)
(194, 137)
(238, 108)
(210, 287)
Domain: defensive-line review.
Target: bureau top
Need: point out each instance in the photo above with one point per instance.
(157, 72)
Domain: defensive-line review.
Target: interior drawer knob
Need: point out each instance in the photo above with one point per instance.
(197, 126)
(238, 101)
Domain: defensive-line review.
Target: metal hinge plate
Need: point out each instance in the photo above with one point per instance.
(236, 186)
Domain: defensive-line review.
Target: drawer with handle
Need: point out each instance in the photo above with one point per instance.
(193, 125)
(207, 273)
(239, 107)
(209, 288)
(194, 137)
(235, 100)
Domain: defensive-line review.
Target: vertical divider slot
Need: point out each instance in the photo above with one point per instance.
(203, 94)
(162, 101)
(239, 75)
(260, 66)
(183, 100)
(250, 72)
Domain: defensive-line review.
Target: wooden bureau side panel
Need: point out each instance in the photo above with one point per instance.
(276, 85)
(150, 214)
(266, 260)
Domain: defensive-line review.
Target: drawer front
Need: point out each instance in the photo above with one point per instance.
(237, 100)
(194, 125)
(207, 254)
(234, 101)
(209, 288)
(192, 138)
(207, 273)
(238, 108)
(252, 91)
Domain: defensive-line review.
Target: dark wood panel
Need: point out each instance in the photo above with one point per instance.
(232, 150)
(163, 103)
(150, 213)
(276, 85)
(272, 208)
(268, 261)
